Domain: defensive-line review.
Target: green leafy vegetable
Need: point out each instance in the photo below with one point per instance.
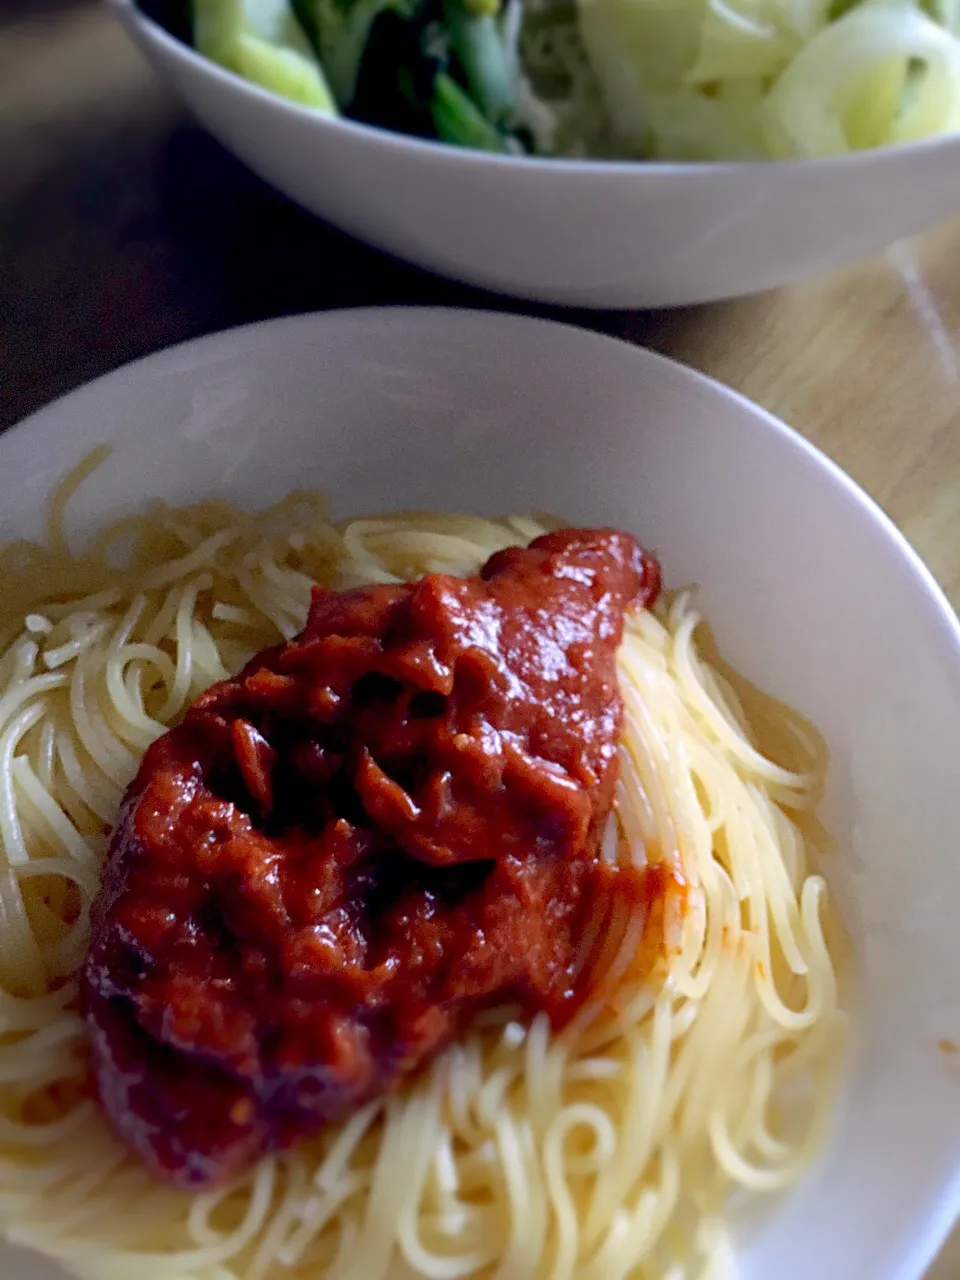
(339, 31)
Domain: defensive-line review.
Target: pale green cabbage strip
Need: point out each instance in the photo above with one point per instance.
(262, 41)
(746, 79)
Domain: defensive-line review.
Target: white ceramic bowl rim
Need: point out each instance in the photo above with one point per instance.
(129, 12)
(948, 616)
(798, 441)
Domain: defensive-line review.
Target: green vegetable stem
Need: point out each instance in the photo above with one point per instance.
(262, 41)
(476, 41)
(458, 120)
(339, 31)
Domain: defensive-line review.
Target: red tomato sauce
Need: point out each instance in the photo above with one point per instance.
(343, 854)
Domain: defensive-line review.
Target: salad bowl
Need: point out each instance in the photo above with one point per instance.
(572, 232)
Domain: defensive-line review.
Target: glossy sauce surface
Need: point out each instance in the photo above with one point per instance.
(342, 855)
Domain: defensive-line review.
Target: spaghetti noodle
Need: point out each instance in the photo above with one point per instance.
(605, 1150)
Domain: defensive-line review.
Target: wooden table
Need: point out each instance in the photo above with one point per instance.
(124, 228)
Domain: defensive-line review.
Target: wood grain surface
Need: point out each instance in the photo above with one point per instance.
(124, 228)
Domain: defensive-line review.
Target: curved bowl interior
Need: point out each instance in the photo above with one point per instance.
(571, 232)
(811, 592)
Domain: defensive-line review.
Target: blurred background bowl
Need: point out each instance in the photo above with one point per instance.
(574, 232)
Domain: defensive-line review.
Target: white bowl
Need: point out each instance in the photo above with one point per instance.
(811, 591)
(572, 232)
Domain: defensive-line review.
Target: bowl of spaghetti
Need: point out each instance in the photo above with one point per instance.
(475, 802)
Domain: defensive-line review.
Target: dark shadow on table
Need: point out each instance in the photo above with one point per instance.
(154, 234)
(13, 11)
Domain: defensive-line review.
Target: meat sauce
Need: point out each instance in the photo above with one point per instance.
(343, 854)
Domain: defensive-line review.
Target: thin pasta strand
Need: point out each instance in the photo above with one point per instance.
(581, 1154)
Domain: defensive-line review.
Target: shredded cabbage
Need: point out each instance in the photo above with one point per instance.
(559, 99)
(666, 79)
(882, 74)
(743, 79)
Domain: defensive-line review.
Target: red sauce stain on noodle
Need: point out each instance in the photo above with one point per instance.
(343, 854)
